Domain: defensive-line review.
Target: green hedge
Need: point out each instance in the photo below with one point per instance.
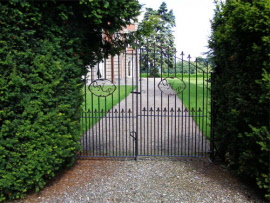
(40, 98)
(240, 52)
(44, 47)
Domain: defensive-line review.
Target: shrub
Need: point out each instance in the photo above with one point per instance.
(44, 48)
(39, 121)
(256, 153)
(240, 52)
(39, 103)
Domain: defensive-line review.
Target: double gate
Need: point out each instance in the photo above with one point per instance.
(142, 105)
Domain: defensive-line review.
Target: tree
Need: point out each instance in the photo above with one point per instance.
(158, 45)
(240, 88)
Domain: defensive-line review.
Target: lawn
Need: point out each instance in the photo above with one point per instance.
(94, 108)
(196, 98)
(178, 75)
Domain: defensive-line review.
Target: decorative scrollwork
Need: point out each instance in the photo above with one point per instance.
(172, 85)
(102, 87)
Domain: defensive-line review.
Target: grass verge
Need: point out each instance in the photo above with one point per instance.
(196, 98)
(95, 108)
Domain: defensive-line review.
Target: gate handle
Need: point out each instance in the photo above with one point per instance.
(136, 143)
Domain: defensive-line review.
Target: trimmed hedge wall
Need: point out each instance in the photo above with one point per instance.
(44, 47)
(241, 88)
(39, 101)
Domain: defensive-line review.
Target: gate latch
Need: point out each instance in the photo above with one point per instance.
(131, 134)
(135, 138)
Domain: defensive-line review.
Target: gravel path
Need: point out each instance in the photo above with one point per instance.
(146, 180)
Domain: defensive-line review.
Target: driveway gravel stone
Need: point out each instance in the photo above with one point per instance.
(154, 179)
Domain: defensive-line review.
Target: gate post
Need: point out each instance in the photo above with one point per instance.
(212, 115)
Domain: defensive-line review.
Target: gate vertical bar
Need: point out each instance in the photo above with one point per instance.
(204, 111)
(84, 143)
(137, 105)
(119, 107)
(182, 108)
(207, 103)
(169, 120)
(106, 111)
(154, 110)
(161, 106)
(176, 117)
(196, 106)
(126, 109)
(189, 107)
(140, 101)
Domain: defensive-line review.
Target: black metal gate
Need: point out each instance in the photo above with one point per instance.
(137, 106)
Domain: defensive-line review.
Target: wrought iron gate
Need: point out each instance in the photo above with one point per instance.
(137, 107)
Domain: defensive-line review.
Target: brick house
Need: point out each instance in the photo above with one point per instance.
(118, 68)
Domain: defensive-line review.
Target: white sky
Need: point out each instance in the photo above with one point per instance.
(193, 26)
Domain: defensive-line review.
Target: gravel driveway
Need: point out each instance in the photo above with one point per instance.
(153, 179)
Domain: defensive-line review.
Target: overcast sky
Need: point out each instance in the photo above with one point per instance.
(193, 26)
